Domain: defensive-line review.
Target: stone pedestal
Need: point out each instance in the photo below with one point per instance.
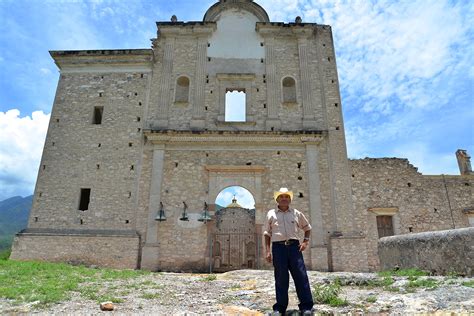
(319, 258)
(197, 125)
(273, 125)
(309, 125)
(349, 253)
(150, 258)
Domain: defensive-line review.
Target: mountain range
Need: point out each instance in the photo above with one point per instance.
(14, 214)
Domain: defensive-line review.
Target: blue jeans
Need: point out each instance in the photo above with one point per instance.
(290, 258)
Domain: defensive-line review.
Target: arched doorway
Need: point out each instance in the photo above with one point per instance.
(234, 240)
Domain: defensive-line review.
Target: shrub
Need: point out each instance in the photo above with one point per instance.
(5, 254)
(328, 294)
(210, 277)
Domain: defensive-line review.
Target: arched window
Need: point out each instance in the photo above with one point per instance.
(289, 90)
(182, 90)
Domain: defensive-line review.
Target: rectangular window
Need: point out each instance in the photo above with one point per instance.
(84, 199)
(471, 220)
(385, 226)
(235, 105)
(98, 112)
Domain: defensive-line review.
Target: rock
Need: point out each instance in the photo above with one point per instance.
(107, 306)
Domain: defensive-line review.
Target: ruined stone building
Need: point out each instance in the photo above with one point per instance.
(139, 146)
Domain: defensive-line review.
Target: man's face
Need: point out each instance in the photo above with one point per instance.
(284, 200)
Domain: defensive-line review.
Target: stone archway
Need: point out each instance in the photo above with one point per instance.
(248, 177)
(234, 240)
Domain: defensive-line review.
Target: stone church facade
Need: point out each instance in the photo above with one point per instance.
(139, 147)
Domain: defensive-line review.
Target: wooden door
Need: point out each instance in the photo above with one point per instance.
(385, 226)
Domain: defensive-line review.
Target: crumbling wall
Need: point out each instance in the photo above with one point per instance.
(417, 203)
(441, 252)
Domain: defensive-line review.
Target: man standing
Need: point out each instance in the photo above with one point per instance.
(281, 229)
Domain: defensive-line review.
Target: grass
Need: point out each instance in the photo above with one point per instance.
(48, 283)
(468, 283)
(329, 294)
(151, 296)
(386, 283)
(209, 278)
(371, 299)
(415, 282)
(403, 272)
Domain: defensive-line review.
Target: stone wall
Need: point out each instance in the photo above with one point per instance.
(184, 246)
(99, 248)
(103, 157)
(418, 203)
(441, 252)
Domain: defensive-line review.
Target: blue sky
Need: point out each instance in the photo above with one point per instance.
(405, 69)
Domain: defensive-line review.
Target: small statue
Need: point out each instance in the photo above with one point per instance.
(174, 19)
(298, 20)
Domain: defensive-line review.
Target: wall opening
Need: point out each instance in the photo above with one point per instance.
(182, 90)
(242, 196)
(84, 199)
(385, 225)
(235, 105)
(98, 113)
(289, 90)
(471, 220)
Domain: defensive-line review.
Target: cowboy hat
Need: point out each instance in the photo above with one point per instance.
(282, 191)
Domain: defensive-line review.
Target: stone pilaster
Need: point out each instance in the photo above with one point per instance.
(198, 121)
(165, 83)
(273, 122)
(150, 252)
(306, 91)
(319, 251)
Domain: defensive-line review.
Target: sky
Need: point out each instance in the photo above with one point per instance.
(405, 70)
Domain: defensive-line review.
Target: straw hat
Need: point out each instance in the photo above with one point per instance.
(276, 194)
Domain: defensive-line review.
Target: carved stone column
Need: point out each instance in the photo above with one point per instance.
(150, 252)
(198, 121)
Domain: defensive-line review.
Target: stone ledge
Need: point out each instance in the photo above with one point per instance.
(78, 232)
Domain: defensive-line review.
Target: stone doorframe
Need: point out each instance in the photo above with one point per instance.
(248, 177)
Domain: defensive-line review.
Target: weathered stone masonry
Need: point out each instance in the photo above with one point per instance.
(132, 131)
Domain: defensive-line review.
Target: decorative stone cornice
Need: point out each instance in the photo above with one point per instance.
(169, 29)
(103, 60)
(303, 30)
(234, 169)
(233, 138)
(233, 76)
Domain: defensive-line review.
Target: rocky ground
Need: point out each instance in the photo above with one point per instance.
(251, 292)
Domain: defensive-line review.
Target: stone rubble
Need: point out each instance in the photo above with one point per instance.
(251, 292)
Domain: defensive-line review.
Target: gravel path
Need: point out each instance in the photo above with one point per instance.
(251, 292)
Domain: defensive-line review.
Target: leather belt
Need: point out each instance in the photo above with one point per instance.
(287, 242)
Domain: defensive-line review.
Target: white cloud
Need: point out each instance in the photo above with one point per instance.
(45, 71)
(21, 145)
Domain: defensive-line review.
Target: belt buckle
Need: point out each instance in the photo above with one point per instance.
(287, 242)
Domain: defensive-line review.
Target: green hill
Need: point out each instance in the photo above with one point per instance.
(14, 214)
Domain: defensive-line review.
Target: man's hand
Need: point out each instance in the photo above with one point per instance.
(304, 245)
(269, 256)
